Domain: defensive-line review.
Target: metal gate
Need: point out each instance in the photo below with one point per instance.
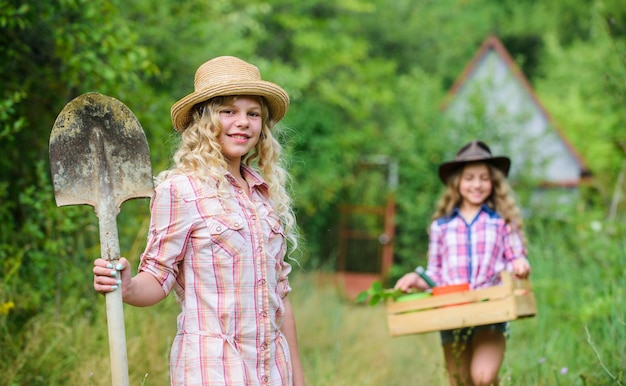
(367, 230)
(366, 235)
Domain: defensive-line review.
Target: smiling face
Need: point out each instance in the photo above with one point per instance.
(241, 123)
(475, 186)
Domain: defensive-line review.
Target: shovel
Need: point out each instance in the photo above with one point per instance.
(99, 156)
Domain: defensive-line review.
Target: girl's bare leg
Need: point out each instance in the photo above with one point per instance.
(458, 357)
(487, 354)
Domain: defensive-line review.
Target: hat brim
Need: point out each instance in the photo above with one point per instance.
(446, 169)
(276, 98)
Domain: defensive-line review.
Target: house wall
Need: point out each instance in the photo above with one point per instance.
(495, 105)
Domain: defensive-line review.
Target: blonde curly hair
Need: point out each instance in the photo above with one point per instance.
(200, 155)
(501, 198)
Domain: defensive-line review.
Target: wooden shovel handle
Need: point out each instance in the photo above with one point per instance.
(110, 250)
(117, 338)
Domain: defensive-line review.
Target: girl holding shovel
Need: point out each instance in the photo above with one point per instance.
(220, 222)
(476, 233)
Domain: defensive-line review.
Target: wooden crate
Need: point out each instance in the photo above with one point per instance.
(513, 299)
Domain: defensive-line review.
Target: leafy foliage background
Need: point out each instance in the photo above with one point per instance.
(364, 77)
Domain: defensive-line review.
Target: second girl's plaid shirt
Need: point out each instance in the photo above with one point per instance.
(476, 252)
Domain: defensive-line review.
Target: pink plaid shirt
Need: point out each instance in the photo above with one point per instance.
(224, 259)
(459, 252)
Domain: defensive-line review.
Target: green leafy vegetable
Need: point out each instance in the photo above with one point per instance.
(376, 293)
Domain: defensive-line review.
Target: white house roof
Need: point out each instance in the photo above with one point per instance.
(494, 97)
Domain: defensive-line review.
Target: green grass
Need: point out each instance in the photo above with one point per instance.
(577, 337)
(346, 344)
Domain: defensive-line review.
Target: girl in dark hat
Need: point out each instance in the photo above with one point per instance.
(476, 233)
(220, 221)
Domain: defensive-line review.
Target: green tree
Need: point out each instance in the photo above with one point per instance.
(51, 52)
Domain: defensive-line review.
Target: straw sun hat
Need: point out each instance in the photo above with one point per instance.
(227, 75)
(473, 152)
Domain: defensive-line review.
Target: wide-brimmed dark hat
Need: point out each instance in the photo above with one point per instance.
(224, 76)
(474, 151)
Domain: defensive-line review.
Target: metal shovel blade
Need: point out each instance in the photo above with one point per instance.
(98, 148)
(99, 156)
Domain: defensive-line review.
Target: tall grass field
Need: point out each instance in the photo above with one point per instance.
(577, 338)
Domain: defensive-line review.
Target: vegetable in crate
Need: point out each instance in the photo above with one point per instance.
(376, 293)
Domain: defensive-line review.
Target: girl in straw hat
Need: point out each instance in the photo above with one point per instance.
(476, 233)
(219, 232)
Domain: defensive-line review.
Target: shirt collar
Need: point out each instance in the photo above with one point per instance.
(483, 208)
(252, 177)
